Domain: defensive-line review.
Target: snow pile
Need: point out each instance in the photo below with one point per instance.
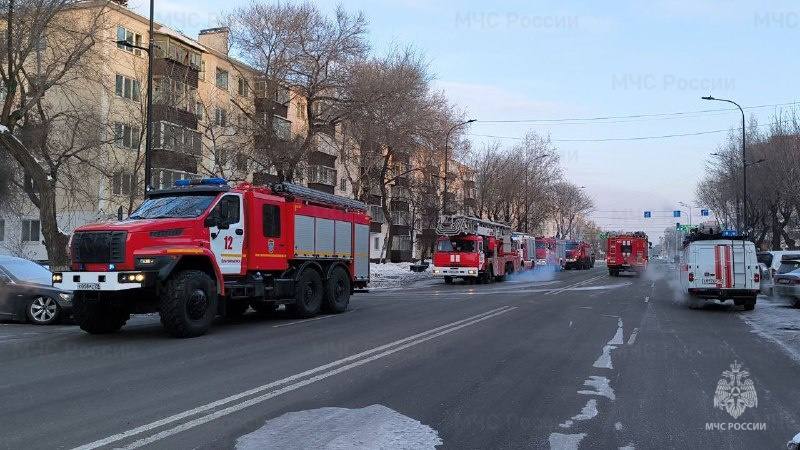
(395, 275)
(776, 320)
(373, 427)
(794, 444)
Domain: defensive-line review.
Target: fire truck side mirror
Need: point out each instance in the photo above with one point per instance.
(212, 220)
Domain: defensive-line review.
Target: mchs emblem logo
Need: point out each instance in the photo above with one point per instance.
(735, 391)
(271, 246)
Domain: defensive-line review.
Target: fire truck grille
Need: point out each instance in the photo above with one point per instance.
(99, 247)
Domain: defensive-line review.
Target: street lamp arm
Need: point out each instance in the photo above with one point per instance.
(129, 45)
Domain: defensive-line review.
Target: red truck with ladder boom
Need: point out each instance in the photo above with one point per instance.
(527, 249)
(627, 252)
(203, 249)
(474, 249)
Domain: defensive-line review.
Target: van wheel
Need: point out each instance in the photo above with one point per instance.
(189, 305)
(750, 304)
(337, 292)
(448, 280)
(307, 294)
(796, 302)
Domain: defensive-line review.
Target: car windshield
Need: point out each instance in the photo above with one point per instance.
(29, 271)
(456, 246)
(571, 245)
(789, 266)
(177, 206)
(541, 245)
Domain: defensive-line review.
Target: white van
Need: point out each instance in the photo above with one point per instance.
(721, 269)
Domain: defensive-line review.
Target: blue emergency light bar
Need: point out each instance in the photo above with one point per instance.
(201, 182)
(729, 233)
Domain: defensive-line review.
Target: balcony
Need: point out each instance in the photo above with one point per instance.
(321, 175)
(401, 218)
(376, 213)
(400, 193)
(173, 137)
(401, 243)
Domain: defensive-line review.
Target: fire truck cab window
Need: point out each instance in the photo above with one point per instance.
(444, 246)
(625, 249)
(272, 221)
(228, 210)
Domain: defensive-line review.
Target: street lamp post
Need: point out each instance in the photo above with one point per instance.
(690, 211)
(148, 138)
(447, 160)
(744, 162)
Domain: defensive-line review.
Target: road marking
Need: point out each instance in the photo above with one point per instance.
(632, 339)
(302, 321)
(647, 299)
(353, 360)
(581, 283)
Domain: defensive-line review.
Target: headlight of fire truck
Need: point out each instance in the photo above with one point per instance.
(58, 278)
(472, 272)
(131, 277)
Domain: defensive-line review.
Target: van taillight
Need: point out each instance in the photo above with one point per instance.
(757, 277)
(691, 277)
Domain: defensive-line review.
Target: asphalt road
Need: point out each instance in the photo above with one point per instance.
(582, 360)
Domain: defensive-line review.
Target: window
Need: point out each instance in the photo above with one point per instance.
(281, 127)
(272, 221)
(222, 79)
(132, 38)
(30, 231)
(221, 117)
(343, 184)
(127, 88)
(126, 136)
(2, 230)
(228, 209)
(122, 183)
(377, 244)
(243, 88)
(202, 75)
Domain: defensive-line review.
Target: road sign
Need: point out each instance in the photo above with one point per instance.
(648, 214)
(676, 213)
(705, 212)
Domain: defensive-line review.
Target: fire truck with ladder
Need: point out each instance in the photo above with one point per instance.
(203, 249)
(474, 250)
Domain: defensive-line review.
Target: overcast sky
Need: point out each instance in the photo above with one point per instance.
(583, 59)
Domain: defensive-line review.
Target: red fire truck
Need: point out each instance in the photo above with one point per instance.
(527, 249)
(474, 250)
(550, 252)
(627, 251)
(579, 255)
(203, 249)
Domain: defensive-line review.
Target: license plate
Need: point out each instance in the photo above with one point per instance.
(709, 281)
(88, 286)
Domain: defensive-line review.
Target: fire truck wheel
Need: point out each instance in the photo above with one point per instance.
(235, 309)
(189, 305)
(97, 318)
(448, 280)
(337, 292)
(750, 304)
(694, 302)
(491, 277)
(307, 294)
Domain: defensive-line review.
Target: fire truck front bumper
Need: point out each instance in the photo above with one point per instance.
(102, 281)
(458, 272)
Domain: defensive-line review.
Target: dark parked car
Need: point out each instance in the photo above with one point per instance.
(27, 294)
(787, 283)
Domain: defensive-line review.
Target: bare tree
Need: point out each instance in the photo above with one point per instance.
(296, 46)
(47, 47)
(571, 203)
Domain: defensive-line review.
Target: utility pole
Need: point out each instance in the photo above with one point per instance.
(744, 225)
(148, 138)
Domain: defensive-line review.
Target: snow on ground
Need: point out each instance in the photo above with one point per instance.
(396, 275)
(775, 319)
(373, 427)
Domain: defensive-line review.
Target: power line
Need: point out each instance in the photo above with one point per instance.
(635, 138)
(634, 116)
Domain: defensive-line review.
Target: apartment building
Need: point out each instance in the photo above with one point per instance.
(212, 115)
